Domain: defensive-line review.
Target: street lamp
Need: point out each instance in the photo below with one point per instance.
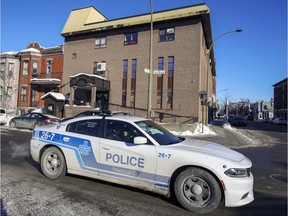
(208, 66)
(149, 99)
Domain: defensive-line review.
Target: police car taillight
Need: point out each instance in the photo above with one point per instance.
(48, 120)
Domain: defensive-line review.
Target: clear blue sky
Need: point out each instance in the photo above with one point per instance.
(248, 63)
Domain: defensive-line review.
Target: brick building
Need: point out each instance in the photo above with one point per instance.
(41, 71)
(280, 99)
(105, 61)
(9, 78)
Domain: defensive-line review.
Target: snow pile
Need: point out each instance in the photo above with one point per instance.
(235, 130)
(197, 132)
(207, 131)
(228, 127)
(184, 133)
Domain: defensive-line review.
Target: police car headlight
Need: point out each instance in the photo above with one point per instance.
(237, 173)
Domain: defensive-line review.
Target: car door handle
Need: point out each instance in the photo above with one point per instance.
(105, 148)
(66, 139)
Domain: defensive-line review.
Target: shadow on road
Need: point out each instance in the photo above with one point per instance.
(3, 212)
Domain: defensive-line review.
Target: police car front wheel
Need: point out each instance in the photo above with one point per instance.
(53, 163)
(197, 190)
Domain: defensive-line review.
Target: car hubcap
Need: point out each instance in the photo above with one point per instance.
(53, 162)
(197, 191)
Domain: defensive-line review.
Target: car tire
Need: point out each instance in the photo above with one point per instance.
(13, 124)
(53, 164)
(197, 190)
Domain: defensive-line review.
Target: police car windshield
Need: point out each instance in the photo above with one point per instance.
(158, 133)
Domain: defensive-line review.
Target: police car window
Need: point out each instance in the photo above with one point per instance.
(33, 115)
(158, 133)
(121, 131)
(27, 115)
(87, 127)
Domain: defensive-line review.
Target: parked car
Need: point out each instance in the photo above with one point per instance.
(97, 113)
(250, 118)
(137, 152)
(3, 116)
(230, 118)
(280, 121)
(239, 121)
(32, 120)
(267, 120)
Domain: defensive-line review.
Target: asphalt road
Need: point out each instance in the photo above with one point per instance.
(25, 191)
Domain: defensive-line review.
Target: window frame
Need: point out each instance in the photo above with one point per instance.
(35, 70)
(9, 93)
(131, 38)
(23, 93)
(25, 67)
(92, 133)
(170, 84)
(49, 67)
(100, 45)
(123, 125)
(2, 67)
(166, 36)
(11, 67)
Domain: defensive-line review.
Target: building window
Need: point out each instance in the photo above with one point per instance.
(49, 66)
(33, 95)
(124, 82)
(9, 93)
(160, 83)
(25, 68)
(2, 69)
(166, 34)
(133, 82)
(1, 93)
(100, 42)
(74, 55)
(100, 69)
(10, 68)
(132, 98)
(170, 82)
(134, 68)
(23, 93)
(35, 67)
(131, 38)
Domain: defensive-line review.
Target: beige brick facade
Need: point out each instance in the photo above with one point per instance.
(190, 65)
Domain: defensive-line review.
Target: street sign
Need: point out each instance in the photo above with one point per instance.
(159, 72)
(146, 70)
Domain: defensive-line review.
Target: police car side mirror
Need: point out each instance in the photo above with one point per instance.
(140, 140)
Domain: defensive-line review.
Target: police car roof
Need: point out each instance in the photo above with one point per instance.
(126, 118)
(119, 117)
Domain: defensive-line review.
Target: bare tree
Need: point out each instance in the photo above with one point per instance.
(8, 85)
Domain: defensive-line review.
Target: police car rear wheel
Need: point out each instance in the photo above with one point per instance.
(197, 190)
(13, 124)
(53, 163)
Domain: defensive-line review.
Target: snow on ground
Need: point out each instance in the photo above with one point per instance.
(235, 130)
(198, 132)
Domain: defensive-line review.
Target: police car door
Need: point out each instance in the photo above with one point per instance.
(121, 159)
(83, 137)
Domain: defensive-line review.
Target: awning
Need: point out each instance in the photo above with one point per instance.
(45, 81)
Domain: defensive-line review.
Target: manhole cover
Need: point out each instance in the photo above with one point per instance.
(279, 178)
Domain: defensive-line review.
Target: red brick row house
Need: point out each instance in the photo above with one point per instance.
(41, 71)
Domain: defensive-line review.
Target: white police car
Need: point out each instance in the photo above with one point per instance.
(137, 152)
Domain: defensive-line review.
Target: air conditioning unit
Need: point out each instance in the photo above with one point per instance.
(101, 66)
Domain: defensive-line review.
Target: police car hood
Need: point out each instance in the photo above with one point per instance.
(208, 148)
